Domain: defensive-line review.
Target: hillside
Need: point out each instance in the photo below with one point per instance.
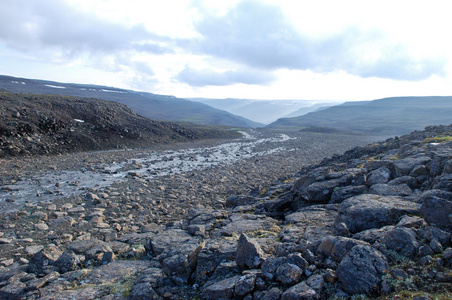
(388, 116)
(152, 106)
(52, 124)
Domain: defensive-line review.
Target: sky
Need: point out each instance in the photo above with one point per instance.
(256, 49)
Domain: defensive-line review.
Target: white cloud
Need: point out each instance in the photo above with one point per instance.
(240, 48)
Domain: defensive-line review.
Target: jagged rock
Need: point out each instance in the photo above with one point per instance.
(412, 222)
(390, 189)
(116, 271)
(168, 239)
(270, 265)
(373, 235)
(408, 180)
(316, 282)
(68, 261)
(215, 252)
(425, 250)
(436, 208)
(243, 223)
(330, 276)
(143, 291)
(245, 285)
(379, 176)
(320, 192)
(406, 165)
(38, 283)
(289, 274)
(436, 246)
(272, 294)
(402, 240)
(342, 193)
(337, 247)
(361, 269)
(373, 211)
(300, 291)
(431, 233)
(249, 253)
(14, 290)
(223, 289)
(88, 293)
(81, 246)
(298, 260)
(44, 258)
(98, 251)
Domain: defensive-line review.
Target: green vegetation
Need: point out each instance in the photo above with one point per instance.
(437, 139)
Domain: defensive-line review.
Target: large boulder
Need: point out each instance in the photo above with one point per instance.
(177, 252)
(437, 208)
(373, 211)
(361, 270)
(406, 165)
(249, 253)
(402, 240)
(337, 247)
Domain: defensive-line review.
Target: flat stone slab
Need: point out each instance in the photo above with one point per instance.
(116, 271)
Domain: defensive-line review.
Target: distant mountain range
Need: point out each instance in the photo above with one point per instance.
(388, 116)
(152, 106)
(265, 111)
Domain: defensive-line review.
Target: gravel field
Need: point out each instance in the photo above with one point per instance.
(194, 173)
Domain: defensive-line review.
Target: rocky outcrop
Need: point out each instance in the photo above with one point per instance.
(373, 221)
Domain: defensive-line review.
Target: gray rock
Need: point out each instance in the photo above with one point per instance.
(273, 294)
(406, 165)
(390, 189)
(298, 260)
(316, 282)
(289, 274)
(436, 246)
(431, 233)
(337, 247)
(373, 211)
(68, 261)
(412, 222)
(116, 271)
(44, 258)
(408, 180)
(402, 240)
(80, 247)
(320, 192)
(270, 265)
(223, 289)
(14, 290)
(249, 253)
(436, 208)
(167, 240)
(373, 235)
(361, 270)
(143, 291)
(378, 176)
(245, 285)
(425, 250)
(215, 252)
(301, 291)
(342, 193)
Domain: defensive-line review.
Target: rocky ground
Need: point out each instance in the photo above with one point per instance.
(374, 222)
(32, 124)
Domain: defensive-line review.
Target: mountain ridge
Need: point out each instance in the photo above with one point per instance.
(149, 105)
(386, 116)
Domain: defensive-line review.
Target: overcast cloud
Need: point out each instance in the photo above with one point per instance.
(194, 46)
(258, 35)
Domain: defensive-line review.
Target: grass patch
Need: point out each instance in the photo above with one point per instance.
(437, 139)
